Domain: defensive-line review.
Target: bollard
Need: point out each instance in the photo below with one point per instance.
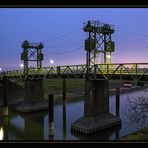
(118, 101)
(5, 96)
(64, 92)
(51, 116)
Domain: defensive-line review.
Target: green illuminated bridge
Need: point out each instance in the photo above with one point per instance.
(98, 41)
(126, 71)
(96, 101)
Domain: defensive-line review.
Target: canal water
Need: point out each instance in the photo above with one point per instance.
(35, 126)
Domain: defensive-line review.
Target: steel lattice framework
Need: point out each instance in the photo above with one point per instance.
(124, 71)
(31, 52)
(99, 40)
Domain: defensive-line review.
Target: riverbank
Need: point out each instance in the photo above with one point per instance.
(139, 135)
(76, 95)
(74, 90)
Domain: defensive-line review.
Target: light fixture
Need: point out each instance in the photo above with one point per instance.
(22, 66)
(51, 61)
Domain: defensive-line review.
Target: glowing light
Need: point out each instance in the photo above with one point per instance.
(0, 69)
(108, 56)
(22, 65)
(1, 133)
(51, 61)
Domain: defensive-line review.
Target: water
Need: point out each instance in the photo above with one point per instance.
(34, 126)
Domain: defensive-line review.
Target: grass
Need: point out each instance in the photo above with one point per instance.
(73, 86)
(16, 88)
(140, 135)
(56, 85)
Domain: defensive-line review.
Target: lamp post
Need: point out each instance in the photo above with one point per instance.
(108, 56)
(21, 66)
(51, 62)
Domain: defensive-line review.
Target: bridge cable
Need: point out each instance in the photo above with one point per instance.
(65, 45)
(63, 35)
(70, 51)
(133, 33)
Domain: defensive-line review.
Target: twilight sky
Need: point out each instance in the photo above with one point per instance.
(61, 31)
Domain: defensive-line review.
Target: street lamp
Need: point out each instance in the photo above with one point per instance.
(108, 56)
(0, 69)
(21, 66)
(51, 62)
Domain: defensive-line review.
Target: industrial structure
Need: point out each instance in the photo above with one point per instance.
(99, 40)
(31, 53)
(96, 102)
(33, 87)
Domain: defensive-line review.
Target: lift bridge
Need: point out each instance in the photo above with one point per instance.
(98, 41)
(96, 100)
(124, 71)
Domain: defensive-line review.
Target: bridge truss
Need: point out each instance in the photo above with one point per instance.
(125, 71)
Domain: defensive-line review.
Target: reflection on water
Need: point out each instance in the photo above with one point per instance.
(1, 133)
(64, 122)
(18, 122)
(35, 126)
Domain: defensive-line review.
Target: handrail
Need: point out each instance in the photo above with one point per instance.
(106, 70)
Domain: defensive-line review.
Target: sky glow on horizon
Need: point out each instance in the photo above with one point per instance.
(48, 24)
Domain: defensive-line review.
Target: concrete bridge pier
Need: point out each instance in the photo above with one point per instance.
(96, 109)
(33, 96)
(34, 90)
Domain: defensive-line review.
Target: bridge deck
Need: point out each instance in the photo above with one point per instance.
(127, 71)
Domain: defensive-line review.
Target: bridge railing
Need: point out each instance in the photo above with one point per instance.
(135, 70)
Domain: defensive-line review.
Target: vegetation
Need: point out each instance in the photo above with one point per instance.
(139, 135)
(74, 88)
(55, 85)
(136, 109)
(16, 88)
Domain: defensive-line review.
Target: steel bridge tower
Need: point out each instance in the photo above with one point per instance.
(96, 96)
(99, 40)
(31, 53)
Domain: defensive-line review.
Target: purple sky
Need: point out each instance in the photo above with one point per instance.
(41, 24)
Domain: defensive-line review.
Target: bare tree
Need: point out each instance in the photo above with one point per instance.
(136, 109)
